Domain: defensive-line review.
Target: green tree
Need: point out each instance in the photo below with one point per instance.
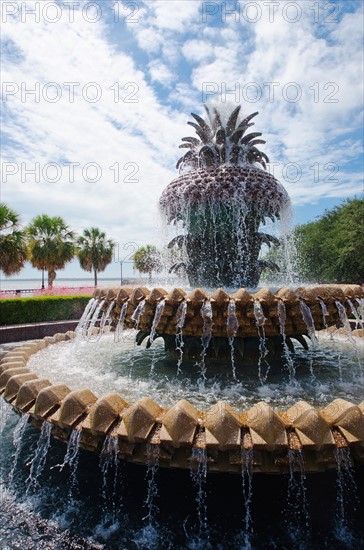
(94, 251)
(13, 248)
(51, 244)
(331, 249)
(148, 259)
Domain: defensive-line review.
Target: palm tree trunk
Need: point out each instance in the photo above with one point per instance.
(51, 277)
(95, 277)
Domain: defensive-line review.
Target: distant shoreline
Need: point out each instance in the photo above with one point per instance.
(9, 279)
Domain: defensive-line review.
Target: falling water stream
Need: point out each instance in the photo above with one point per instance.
(5, 412)
(355, 313)
(120, 326)
(247, 458)
(152, 493)
(346, 497)
(198, 472)
(89, 309)
(180, 323)
(105, 320)
(263, 352)
(110, 466)
(360, 302)
(325, 313)
(308, 319)
(296, 512)
(17, 441)
(206, 314)
(282, 316)
(157, 317)
(38, 461)
(73, 448)
(89, 326)
(232, 328)
(137, 313)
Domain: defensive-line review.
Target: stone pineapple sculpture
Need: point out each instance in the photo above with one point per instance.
(219, 201)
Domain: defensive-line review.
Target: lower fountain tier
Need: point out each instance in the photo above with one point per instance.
(224, 436)
(294, 312)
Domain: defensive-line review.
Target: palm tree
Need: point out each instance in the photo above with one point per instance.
(51, 244)
(13, 249)
(147, 259)
(94, 251)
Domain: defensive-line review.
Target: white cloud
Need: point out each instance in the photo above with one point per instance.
(172, 16)
(159, 72)
(197, 50)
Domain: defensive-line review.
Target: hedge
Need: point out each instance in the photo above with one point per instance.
(14, 311)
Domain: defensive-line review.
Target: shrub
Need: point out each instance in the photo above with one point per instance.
(14, 311)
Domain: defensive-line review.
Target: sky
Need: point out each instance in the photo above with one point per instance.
(96, 97)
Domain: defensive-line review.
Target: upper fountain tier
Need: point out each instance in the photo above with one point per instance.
(139, 307)
(221, 199)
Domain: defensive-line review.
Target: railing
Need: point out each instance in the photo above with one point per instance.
(20, 291)
(55, 291)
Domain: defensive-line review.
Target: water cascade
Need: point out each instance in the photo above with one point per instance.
(344, 318)
(206, 314)
(110, 468)
(106, 318)
(5, 411)
(180, 321)
(17, 440)
(354, 311)
(73, 448)
(89, 310)
(152, 468)
(157, 317)
(360, 302)
(247, 459)
(89, 327)
(308, 319)
(282, 316)
(137, 313)
(38, 461)
(263, 352)
(232, 327)
(198, 470)
(346, 492)
(325, 313)
(297, 504)
(120, 325)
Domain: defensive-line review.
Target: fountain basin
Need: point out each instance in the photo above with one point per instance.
(222, 432)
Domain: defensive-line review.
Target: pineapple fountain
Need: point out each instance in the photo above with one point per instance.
(221, 202)
(217, 205)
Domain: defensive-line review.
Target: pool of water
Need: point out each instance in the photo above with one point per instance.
(332, 370)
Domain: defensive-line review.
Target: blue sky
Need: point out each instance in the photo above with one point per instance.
(114, 84)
